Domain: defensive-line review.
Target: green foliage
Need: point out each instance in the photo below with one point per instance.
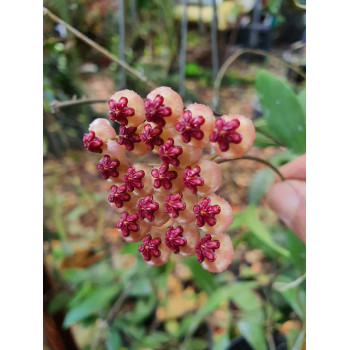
(302, 99)
(113, 341)
(97, 300)
(259, 184)
(249, 217)
(253, 332)
(284, 115)
(293, 292)
(297, 251)
(203, 278)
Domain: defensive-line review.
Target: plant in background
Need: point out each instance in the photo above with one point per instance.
(170, 206)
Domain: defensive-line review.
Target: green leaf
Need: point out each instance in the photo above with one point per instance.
(259, 184)
(295, 297)
(244, 297)
(282, 111)
(214, 300)
(249, 217)
(155, 339)
(204, 279)
(196, 344)
(282, 158)
(58, 302)
(302, 99)
(297, 251)
(76, 275)
(45, 145)
(143, 308)
(113, 341)
(130, 248)
(292, 335)
(253, 331)
(274, 6)
(222, 342)
(250, 323)
(99, 299)
(142, 287)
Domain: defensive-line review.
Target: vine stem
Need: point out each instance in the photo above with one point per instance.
(256, 159)
(233, 57)
(56, 105)
(98, 48)
(111, 315)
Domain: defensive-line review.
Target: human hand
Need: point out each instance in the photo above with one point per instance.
(288, 198)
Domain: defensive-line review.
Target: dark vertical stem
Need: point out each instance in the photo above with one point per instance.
(214, 41)
(55, 336)
(133, 12)
(254, 33)
(182, 63)
(200, 18)
(121, 42)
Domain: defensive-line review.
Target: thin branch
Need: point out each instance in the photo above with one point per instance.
(182, 63)
(233, 57)
(256, 159)
(214, 41)
(298, 4)
(99, 48)
(200, 18)
(121, 42)
(110, 316)
(266, 134)
(57, 105)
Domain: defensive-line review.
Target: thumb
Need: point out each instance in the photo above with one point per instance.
(288, 200)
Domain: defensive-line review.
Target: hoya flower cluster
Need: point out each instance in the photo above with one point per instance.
(169, 207)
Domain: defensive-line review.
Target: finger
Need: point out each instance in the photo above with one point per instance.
(288, 200)
(296, 169)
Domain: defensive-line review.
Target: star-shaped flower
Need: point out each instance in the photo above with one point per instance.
(224, 133)
(119, 111)
(205, 248)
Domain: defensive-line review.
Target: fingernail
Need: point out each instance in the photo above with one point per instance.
(284, 200)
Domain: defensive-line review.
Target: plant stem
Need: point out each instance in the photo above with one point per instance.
(99, 48)
(121, 42)
(57, 105)
(111, 315)
(233, 57)
(256, 159)
(262, 132)
(214, 41)
(182, 63)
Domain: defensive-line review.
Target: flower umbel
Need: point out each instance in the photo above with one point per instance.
(169, 205)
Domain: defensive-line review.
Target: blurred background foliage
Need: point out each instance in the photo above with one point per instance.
(98, 293)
